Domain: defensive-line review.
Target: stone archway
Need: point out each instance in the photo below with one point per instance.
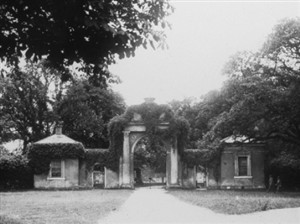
(133, 132)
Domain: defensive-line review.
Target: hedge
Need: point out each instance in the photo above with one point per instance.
(15, 172)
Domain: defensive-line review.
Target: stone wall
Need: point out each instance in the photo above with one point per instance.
(111, 179)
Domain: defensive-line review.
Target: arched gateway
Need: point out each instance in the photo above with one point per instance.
(143, 120)
(135, 131)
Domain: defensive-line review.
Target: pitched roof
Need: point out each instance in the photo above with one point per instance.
(240, 139)
(57, 139)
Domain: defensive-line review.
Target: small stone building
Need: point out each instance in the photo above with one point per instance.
(70, 165)
(241, 166)
(63, 173)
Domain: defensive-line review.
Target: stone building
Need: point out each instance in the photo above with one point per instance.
(63, 173)
(241, 166)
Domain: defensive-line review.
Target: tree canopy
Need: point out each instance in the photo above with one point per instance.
(26, 104)
(86, 111)
(259, 100)
(88, 32)
(34, 99)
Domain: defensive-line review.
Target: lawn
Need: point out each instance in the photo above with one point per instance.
(78, 207)
(238, 202)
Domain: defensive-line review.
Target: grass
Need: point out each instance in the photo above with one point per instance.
(78, 207)
(238, 202)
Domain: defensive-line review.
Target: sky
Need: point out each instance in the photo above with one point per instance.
(204, 35)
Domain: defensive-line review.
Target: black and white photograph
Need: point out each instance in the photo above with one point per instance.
(149, 111)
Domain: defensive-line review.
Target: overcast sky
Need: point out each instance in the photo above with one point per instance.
(204, 35)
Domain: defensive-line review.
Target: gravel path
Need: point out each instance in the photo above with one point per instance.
(157, 206)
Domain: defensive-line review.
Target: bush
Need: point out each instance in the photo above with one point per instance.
(15, 172)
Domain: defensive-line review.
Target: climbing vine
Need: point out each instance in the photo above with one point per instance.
(152, 115)
(207, 154)
(101, 159)
(40, 155)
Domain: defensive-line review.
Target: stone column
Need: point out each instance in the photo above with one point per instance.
(174, 165)
(126, 183)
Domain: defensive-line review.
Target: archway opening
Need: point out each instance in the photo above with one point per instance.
(149, 162)
(98, 175)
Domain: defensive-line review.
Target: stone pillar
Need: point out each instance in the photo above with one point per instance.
(126, 177)
(174, 165)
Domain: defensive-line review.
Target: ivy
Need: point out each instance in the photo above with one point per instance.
(199, 157)
(40, 155)
(102, 158)
(152, 116)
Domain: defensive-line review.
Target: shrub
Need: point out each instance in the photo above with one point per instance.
(15, 172)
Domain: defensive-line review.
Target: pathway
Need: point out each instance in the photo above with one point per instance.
(157, 206)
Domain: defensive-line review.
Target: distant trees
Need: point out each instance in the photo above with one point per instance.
(90, 33)
(33, 99)
(26, 103)
(260, 100)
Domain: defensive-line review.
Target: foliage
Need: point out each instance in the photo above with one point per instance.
(202, 148)
(188, 109)
(26, 100)
(260, 99)
(283, 161)
(87, 32)
(264, 88)
(145, 155)
(99, 158)
(86, 110)
(197, 157)
(152, 115)
(15, 172)
(40, 155)
(264, 93)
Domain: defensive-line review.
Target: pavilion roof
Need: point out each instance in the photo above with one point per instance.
(57, 139)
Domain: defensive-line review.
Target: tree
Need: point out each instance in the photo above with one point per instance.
(87, 32)
(189, 109)
(86, 110)
(265, 87)
(26, 103)
(261, 100)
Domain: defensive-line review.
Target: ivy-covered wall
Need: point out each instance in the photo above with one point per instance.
(40, 155)
(151, 115)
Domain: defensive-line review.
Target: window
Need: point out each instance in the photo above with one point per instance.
(242, 166)
(56, 169)
(242, 163)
